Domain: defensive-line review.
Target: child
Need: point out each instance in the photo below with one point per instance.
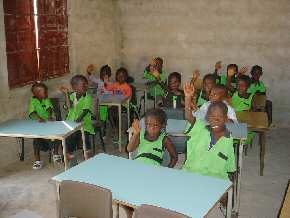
(210, 147)
(257, 86)
(232, 76)
(80, 105)
(208, 83)
(41, 109)
(103, 81)
(152, 141)
(175, 96)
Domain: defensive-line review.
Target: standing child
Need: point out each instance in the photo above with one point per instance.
(80, 105)
(41, 109)
(210, 147)
(175, 96)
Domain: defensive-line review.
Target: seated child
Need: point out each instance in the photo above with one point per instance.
(41, 109)
(152, 141)
(103, 81)
(232, 76)
(217, 94)
(80, 105)
(217, 73)
(156, 78)
(208, 83)
(210, 148)
(175, 96)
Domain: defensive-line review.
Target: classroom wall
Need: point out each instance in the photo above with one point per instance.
(196, 34)
(92, 39)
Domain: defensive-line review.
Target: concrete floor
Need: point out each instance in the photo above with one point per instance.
(28, 193)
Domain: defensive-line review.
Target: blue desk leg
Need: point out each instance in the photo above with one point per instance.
(120, 127)
(64, 153)
(230, 202)
(84, 144)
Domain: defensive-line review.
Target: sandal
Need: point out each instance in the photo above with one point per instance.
(37, 165)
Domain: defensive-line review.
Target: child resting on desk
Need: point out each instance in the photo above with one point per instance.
(80, 105)
(41, 109)
(210, 148)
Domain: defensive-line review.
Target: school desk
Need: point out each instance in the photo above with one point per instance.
(257, 122)
(54, 130)
(260, 102)
(285, 209)
(133, 183)
(117, 100)
(140, 87)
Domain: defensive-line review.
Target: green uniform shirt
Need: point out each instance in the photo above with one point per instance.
(77, 108)
(201, 99)
(151, 152)
(257, 87)
(155, 89)
(240, 103)
(217, 161)
(40, 107)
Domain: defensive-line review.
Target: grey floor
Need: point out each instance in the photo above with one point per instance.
(26, 193)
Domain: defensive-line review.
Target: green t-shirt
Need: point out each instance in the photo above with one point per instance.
(78, 106)
(201, 99)
(151, 152)
(155, 89)
(257, 87)
(217, 161)
(240, 103)
(41, 107)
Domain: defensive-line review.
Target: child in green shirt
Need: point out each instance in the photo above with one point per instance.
(257, 86)
(41, 109)
(208, 82)
(210, 147)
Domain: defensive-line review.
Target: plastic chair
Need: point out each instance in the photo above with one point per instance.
(149, 211)
(83, 200)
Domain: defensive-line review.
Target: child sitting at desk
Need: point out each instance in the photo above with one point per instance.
(175, 96)
(103, 81)
(80, 105)
(41, 109)
(210, 148)
(208, 83)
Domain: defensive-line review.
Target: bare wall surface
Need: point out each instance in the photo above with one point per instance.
(191, 34)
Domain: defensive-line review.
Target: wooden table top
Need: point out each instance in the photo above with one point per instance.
(285, 210)
(254, 120)
(260, 101)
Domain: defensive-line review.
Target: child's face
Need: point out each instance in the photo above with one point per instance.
(174, 84)
(256, 75)
(106, 78)
(207, 85)
(40, 93)
(242, 87)
(216, 119)
(80, 88)
(120, 77)
(153, 126)
(217, 94)
(232, 71)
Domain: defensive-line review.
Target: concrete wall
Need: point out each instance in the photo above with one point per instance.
(92, 38)
(195, 34)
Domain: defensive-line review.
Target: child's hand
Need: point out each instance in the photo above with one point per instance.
(244, 70)
(156, 74)
(196, 74)
(64, 90)
(218, 65)
(41, 120)
(188, 89)
(90, 69)
(136, 126)
(231, 72)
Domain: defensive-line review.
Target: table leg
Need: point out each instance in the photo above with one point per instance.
(120, 126)
(262, 151)
(64, 153)
(128, 114)
(239, 175)
(229, 204)
(21, 156)
(84, 143)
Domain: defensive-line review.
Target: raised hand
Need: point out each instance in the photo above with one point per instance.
(188, 89)
(244, 70)
(196, 74)
(64, 89)
(136, 126)
(90, 69)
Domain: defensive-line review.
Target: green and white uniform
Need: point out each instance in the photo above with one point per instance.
(257, 87)
(241, 103)
(41, 107)
(155, 89)
(201, 99)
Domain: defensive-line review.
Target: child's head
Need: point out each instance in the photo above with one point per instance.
(156, 64)
(79, 84)
(217, 115)
(244, 82)
(232, 67)
(256, 72)
(174, 80)
(121, 75)
(39, 90)
(105, 72)
(155, 121)
(208, 83)
(218, 93)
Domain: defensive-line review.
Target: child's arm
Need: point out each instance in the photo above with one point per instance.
(36, 117)
(195, 76)
(172, 151)
(230, 76)
(189, 92)
(65, 90)
(83, 114)
(135, 139)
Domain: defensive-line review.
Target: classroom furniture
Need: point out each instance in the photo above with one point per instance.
(149, 211)
(284, 211)
(260, 102)
(134, 183)
(98, 130)
(140, 87)
(174, 113)
(117, 100)
(78, 199)
(54, 130)
(257, 122)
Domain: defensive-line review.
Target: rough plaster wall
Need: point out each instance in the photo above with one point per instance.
(195, 34)
(92, 39)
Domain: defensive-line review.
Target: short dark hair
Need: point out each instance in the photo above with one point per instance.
(245, 79)
(38, 85)
(209, 77)
(255, 69)
(78, 78)
(174, 75)
(158, 114)
(233, 66)
(105, 70)
(159, 59)
(221, 87)
(218, 104)
(124, 71)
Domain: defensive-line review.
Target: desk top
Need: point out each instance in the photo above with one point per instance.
(255, 120)
(35, 129)
(140, 86)
(285, 210)
(136, 183)
(112, 99)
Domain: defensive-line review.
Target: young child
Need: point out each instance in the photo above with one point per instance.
(210, 147)
(103, 81)
(80, 105)
(232, 76)
(41, 109)
(208, 82)
(257, 86)
(152, 141)
(175, 96)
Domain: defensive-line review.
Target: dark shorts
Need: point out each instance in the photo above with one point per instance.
(44, 144)
(74, 141)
